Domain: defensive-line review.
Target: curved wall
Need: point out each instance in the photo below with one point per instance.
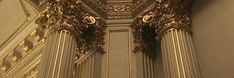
(213, 26)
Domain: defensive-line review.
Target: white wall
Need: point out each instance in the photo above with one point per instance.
(213, 26)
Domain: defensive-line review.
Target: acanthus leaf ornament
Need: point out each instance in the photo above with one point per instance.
(166, 15)
(144, 35)
(68, 15)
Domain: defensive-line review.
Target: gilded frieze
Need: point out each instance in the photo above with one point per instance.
(116, 9)
(119, 7)
(119, 10)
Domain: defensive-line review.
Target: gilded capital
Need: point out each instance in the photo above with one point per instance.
(64, 14)
(166, 15)
(172, 14)
(68, 15)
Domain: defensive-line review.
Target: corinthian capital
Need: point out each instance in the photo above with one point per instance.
(172, 14)
(68, 15)
(166, 15)
(64, 14)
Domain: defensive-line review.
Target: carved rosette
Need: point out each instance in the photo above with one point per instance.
(69, 15)
(167, 14)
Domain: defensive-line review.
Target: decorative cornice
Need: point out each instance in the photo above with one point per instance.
(13, 57)
(24, 50)
(69, 15)
(20, 59)
(28, 19)
(167, 15)
(32, 72)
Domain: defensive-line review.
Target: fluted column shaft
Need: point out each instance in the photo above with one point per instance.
(58, 55)
(146, 66)
(178, 54)
(88, 66)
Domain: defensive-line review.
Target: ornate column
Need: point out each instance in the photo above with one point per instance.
(71, 34)
(60, 42)
(172, 24)
(58, 54)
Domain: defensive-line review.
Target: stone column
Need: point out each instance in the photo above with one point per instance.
(174, 32)
(178, 54)
(172, 24)
(88, 66)
(58, 55)
(71, 33)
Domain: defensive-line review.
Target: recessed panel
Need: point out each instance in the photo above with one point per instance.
(118, 55)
